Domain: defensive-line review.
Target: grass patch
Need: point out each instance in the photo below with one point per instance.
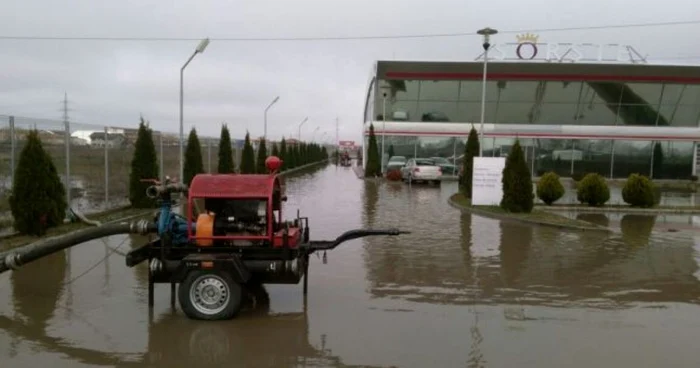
(14, 241)
(536, 216)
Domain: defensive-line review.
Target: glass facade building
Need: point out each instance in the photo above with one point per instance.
(572, 118)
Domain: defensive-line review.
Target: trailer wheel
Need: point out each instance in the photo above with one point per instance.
(210, 295)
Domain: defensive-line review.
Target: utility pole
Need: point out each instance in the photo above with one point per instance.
(336, 133)
(486, 33)
(67, 142)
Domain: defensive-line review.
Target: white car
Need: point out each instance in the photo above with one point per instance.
(421, 169)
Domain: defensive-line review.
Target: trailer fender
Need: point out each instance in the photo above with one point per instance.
(229, 262)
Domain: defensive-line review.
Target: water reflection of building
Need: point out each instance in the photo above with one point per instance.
(569, 117)
(538, 266)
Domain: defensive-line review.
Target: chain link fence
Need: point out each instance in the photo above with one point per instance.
(96, 158)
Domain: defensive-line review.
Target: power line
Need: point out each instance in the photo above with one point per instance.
(345, 38)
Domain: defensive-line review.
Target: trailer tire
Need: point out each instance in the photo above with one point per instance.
(221, 290)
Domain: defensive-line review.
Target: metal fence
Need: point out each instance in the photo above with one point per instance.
(96, 158)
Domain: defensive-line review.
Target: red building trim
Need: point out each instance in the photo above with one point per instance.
(542, 135)
(541, 77)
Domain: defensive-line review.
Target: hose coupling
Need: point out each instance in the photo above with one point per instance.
(139, 227)
(12, 261)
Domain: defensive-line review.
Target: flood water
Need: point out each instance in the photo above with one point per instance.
(460, 291)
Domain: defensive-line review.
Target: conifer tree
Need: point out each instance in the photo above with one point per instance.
(518, 195)
(38, 199)
(226, 165)
(248, 157)
(373, 166)
(144, 165)
(471, 150)
(284, 153)
(293, 162)
(193, 157)
(262, 155)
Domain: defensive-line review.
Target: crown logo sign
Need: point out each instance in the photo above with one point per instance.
(527, 37)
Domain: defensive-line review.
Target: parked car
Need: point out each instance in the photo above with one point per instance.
(395, 163)
(447, 167)
(400, 115)
(421, 169)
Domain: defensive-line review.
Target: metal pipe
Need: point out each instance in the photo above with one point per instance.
(162, 162)
(13, 147)
(15, 258)
(200, 49)
(381, 157)
(158, 190)
(182, 130)
(67, 143)
(300, 124)
(268, 108)
(106, 168)
(483, 103)
(486, 32)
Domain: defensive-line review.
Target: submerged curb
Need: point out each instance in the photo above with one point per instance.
(651, 211)
(497, 216)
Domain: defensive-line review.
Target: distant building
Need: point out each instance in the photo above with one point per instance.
(111, 140)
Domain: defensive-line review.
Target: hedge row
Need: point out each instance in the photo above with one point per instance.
(593, 190)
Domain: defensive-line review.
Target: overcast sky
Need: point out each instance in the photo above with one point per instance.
(114, 82)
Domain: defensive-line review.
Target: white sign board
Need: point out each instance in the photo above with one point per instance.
(487, 189)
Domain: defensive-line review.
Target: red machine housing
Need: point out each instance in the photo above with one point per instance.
(266, 188)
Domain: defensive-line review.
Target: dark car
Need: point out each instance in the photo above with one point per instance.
(436, 116)
(447, 167)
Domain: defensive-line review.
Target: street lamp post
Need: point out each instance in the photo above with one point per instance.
(300, 124)
(268, 107)
(313, 136)
(200, 49)
(486, 32)
(381, 157)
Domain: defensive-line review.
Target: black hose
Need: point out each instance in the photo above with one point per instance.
(13, 259)
(350, 235)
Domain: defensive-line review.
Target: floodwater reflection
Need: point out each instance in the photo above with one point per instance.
(460, 290)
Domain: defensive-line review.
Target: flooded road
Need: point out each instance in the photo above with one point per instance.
(460, 291)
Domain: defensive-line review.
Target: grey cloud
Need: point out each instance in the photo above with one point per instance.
(113, 82)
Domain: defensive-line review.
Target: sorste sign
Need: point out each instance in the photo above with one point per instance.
(527, 48)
